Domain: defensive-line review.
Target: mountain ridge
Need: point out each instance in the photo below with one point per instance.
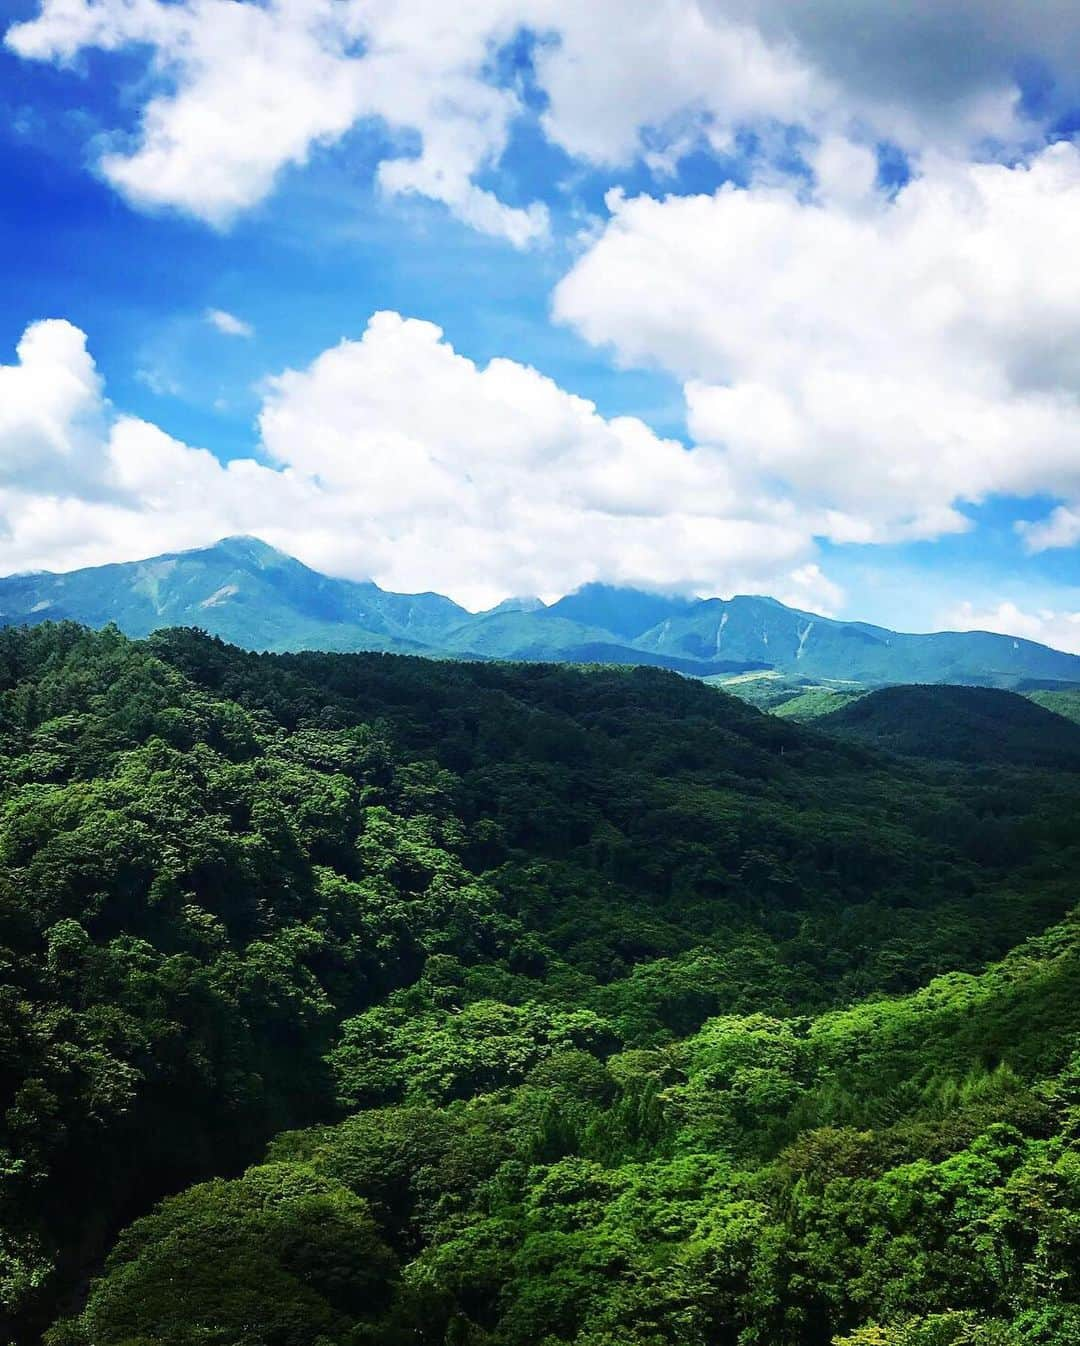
(253, 595)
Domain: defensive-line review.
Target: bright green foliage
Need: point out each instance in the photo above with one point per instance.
(585, 1006)
(708, 1191)
(788, 695)
(1063, 701)
(811, 705)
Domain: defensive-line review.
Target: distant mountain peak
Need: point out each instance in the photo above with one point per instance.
(626, 612)
(522, 604)
(256, 596)
(250, 548)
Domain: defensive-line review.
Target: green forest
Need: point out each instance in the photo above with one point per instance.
(371, 1000)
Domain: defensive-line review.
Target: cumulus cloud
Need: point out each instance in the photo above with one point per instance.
(83, 484)
(924, 70)
(857, 365)
(881, 361)
(621, 76)
(494, 482)
(52, 412)
(496, 471)
(1060, 630)
(1061, 528)
(242, 90)
(922, 73)
(228, 324)
(809, 587)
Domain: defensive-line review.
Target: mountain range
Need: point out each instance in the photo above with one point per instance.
(255, 596)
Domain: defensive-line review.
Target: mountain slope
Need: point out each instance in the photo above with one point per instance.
(254, 596)
(239, 589)
(627, 613)
(761, 629)
(543, 635)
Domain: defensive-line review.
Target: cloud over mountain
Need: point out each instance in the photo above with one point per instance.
(396, 458)
(1058, 629)
(880, 359)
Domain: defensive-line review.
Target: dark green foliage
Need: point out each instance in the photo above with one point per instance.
(961, 724)
(618, 978)
(284, 1256)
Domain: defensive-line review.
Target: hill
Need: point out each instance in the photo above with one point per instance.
(253, 596)
(960, 724)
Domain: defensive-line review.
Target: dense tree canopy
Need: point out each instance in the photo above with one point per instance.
(574, 1005)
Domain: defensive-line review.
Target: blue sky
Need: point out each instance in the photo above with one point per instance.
(306, 268)
(825, 316)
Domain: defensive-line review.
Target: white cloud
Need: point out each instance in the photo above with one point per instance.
(879, 362)
(809, 587)
(52, 412)
(1061, 528)
(845, 173)
(619, 72)
(242, 90)
(494, 482)
(1060, 630)
(926, 70)
(924, 74)
(854, 366)
(228, 324)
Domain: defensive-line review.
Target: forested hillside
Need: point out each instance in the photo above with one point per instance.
(517, 1005)
(960, 724)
